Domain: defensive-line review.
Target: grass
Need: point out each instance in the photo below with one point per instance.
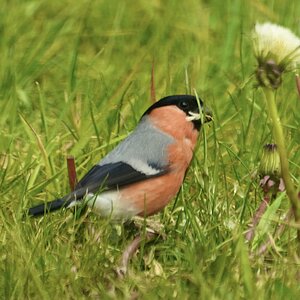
(74, 79)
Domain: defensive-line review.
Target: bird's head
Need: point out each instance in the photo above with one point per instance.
(192, 106)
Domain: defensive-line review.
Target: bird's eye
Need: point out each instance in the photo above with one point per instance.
(183, 105)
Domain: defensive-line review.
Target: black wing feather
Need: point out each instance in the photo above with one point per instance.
(112, 176)
(106, 177)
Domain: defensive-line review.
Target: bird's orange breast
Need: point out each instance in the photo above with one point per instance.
(152, 195)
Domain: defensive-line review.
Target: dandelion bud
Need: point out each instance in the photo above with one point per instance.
(270, 163)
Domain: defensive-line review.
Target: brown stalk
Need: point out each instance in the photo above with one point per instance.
(72, 172)
(152, 88)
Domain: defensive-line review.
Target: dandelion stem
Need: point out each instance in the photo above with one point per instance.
(279, 139)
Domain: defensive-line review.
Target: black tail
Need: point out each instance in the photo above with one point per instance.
(44, 208)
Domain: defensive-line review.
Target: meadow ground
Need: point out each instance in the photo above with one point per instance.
(74, 79)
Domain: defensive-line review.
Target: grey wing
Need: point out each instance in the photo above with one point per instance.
(145, 149)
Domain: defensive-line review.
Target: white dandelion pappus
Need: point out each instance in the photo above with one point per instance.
(277, 43)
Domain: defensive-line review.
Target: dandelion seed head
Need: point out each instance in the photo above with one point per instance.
(274, 42)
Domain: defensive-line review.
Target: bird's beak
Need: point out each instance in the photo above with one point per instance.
(205, 115)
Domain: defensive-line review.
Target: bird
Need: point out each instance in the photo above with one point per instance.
(142, 174)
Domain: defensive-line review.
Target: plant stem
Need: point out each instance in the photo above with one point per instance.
(130, 251)
(257, 217)
(279, 139)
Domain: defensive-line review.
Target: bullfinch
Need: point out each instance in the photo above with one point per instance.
(145, 171)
